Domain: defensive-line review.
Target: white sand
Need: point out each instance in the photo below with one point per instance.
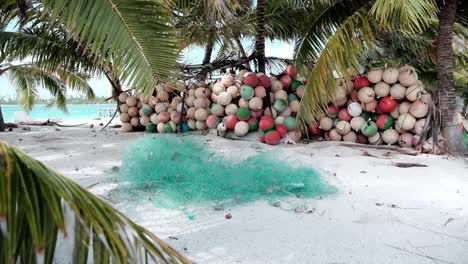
(380, 214)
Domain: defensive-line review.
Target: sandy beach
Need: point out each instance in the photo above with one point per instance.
(380, 214)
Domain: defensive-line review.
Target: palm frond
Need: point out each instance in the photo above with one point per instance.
(36, 204)
(27, 78)
(341, 52)
(409, 16)
(138, 33)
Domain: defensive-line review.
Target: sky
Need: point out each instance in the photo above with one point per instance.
(192, 55)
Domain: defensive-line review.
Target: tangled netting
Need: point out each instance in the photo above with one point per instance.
(177, 171)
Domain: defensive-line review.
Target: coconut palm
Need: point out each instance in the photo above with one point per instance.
(446, 87)
(41, 209)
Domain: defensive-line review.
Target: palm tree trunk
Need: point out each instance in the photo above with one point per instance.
(446, 89)
(208, 51)
(260, 38)
(241, 47)
(2, 122)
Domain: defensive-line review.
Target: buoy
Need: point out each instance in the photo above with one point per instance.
(253, 124)
(201, 114)
(212, 121)
(260, 92)
(407, 76)
(300, 91)
(256, 103)
(356, 123)
(135, 121)
(414, 92)
(201, 92)
(151, 128)
(369, 128)
(176, 117)
(390, 75)
(370, 106)
(375, 139)
(224, 98)
(350, 137)
(227, 80)
(217, 109)
(273, 113)
(243, 113)
(281, 94)
(343, 127)
(362, 139)
(246, 92)
(390, 136)
(131, 101)
(200, 125)
(163, 117)
(314, 129)
(326, 123)
(419, 109)
(123, 108)
(234, 91)
(361, 82)
(344, 115)
(291, 71)
(384, 122)
(387, 104)
(251, 79)
(405, 140)
(295, 84)
(127, 127)
(404, 107)
(406, 121)
(419, 126)
(286, 81)
(332, 111)
(366, 95)
(354, 109)
(123, 97)
(241, 128)
(276, 85)
(382, 89)
(279, 120)
(295, 106)
(272, 137)
(290, 123)
(397, 91)
(266, 123)
(231, 109)
(280, 105)
(218, 88)
(264, 81)
(282, 130)
(334, 136)
(243, 103)
(145, 120)
(354, 95)
(374, 75)
(230, 121)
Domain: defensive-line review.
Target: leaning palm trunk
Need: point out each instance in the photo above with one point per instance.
(41, 209)
(446, 88)
(260, 38)
(2, 122)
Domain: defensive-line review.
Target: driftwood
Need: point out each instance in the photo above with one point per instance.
(408, 165)
(397, 149)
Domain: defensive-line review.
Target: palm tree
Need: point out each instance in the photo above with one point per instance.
(446, 87)
(39, 207)
(260, 35)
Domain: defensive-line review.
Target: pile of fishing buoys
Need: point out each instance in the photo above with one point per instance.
(385, 106)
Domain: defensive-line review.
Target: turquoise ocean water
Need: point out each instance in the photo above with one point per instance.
(75, 111)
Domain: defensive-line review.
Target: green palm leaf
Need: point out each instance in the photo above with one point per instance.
(34, 203)
(138, 33)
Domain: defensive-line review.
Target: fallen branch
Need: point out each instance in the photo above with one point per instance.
(397, 149)
(418, 254)
(408, 165)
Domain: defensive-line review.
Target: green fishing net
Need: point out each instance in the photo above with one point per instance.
(180, 171)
